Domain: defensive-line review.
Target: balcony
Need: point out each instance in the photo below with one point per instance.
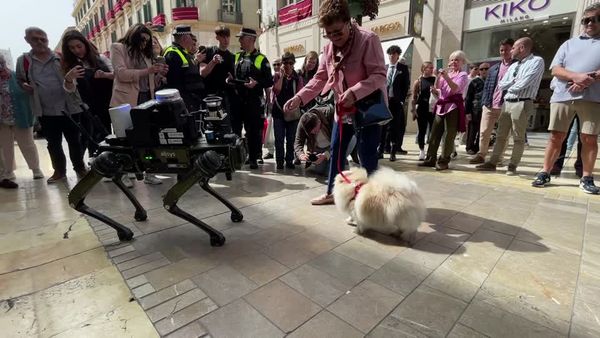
(184, 13)
(229, 17)
(101, 24)
(159, 20)
(295, 12)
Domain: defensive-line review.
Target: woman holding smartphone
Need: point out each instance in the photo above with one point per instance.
(136, 76)
(449, 87)
(91, 73)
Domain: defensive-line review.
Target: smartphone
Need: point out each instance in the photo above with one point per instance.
(160, 59)
(439, 64)
(201, 49)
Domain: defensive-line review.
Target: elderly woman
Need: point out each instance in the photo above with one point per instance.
(16, 123)
(450, 110)
(353, 67)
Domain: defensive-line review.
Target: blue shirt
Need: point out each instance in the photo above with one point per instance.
(581, 55)
(522, 79)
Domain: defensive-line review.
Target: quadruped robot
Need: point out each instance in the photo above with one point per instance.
(166, 138)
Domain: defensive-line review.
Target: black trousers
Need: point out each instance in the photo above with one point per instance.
(251, 112)
(54, 128)
(424, 120)
(473, 132)
(393, 132)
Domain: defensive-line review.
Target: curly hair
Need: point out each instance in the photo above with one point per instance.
(332, 11)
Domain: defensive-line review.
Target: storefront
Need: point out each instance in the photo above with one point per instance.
(548, 22)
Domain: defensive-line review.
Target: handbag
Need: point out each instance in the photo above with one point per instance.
(293, 115)
(372, 110)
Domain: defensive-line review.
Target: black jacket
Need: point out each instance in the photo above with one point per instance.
(401, 82)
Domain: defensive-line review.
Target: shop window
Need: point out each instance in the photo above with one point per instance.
(228, 6)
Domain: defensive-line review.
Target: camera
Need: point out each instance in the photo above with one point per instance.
(312, 157)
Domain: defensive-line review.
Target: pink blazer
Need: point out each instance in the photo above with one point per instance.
(364, 70)
(126, 85)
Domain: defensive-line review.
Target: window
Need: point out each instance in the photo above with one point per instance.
(147, 12)
(113, 37)
(130, 21)
(160, 8)
(110, 5)
(139, 16)
(228, 6)
(102, 12)
(185, 3)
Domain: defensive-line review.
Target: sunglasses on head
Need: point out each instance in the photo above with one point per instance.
(590, 19)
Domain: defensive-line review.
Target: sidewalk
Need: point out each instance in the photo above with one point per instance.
(495, 258)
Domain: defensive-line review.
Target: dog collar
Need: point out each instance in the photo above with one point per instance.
(357, 187)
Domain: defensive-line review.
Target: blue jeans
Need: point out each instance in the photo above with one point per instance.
(367, 140)
(284, 131)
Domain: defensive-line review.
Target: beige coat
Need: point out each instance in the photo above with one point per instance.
(126, 85)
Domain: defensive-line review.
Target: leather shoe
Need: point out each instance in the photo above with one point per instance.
(392, 157)
(8, 184)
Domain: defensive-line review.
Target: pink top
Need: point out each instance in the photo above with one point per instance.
(363, 69)
(497, 101)
(461, 79)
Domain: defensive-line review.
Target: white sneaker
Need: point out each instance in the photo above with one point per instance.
(37, 174)
(126, 181)
(422, 155)
(151, 179)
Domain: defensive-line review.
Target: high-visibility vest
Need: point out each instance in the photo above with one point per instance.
(184, 60)
(257, 61)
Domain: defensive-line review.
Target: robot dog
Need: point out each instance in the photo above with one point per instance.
(166, 138)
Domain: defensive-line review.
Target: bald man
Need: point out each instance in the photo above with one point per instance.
(521, 84)
(473, 107)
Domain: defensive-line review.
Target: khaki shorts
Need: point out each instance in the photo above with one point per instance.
(562, 113)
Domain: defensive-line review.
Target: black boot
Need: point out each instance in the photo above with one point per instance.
(393, 153)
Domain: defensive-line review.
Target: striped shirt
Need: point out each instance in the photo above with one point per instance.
(522, 80)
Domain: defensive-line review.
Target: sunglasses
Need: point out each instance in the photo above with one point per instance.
(591, 19)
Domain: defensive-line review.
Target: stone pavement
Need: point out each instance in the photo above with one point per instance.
(494, 258)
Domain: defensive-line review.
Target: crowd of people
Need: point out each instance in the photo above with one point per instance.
(306, 115)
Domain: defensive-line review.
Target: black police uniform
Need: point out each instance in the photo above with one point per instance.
(184, 75)
(250, 102)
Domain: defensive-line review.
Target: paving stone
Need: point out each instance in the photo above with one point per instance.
(139, 261)
(327, 325)
(138, 270)
(165, 294)
(341, 267)
(282, 305)
(315, 284)
(365, 305)
(492, 321)
(120, 251)
(168, 308)
(142, 290)
(372, 256)
(185, 316)
(259, 268)
(179, 271)
(464, 222)
(426, 254)
(429, 311)
(391, 327)
(400, 275)
(223, 284)
(461, 331)
(248, 322)
(192, 330)
(585, 322)
(125, 257)
(136, 281)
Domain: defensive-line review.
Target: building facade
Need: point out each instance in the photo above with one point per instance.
(106, 21)
(475, 26)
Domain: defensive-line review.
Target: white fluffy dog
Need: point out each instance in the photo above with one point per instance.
(387, 202)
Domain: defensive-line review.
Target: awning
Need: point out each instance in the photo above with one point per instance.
(403, 43)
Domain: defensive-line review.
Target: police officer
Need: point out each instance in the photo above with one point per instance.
(252, 79)
(184, 74)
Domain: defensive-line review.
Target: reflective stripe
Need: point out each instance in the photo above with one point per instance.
(257, 61)
(176, 50)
